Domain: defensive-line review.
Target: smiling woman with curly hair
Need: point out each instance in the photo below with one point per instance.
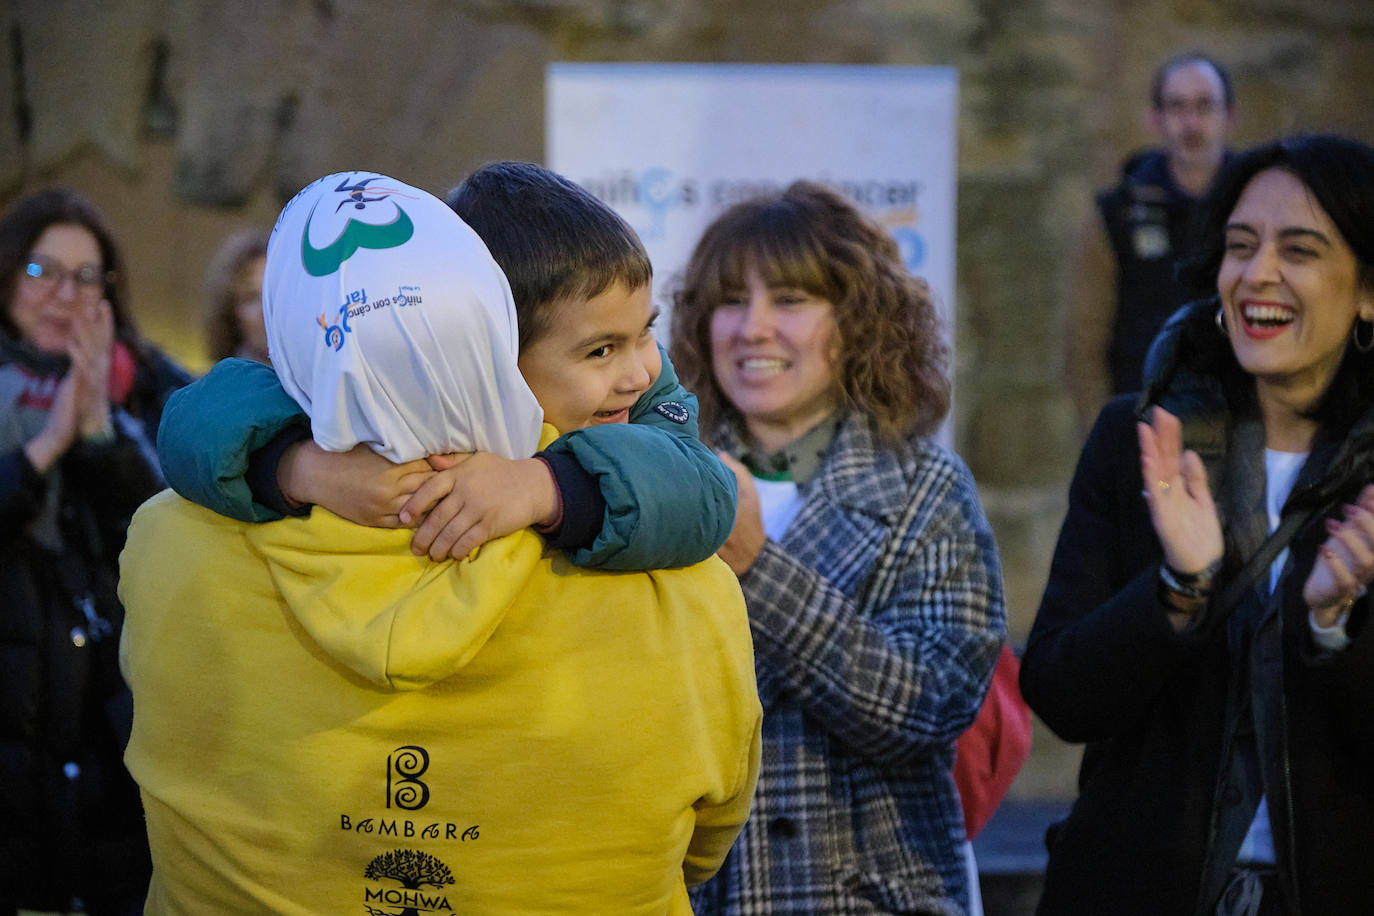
(870, 573)
(891, 359)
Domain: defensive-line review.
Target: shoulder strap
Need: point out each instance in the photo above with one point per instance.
(1260, 561)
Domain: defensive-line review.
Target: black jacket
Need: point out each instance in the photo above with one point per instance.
(1158, 710)
(70, 820)
(1149, 222)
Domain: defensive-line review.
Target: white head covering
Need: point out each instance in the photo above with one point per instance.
(391, 325)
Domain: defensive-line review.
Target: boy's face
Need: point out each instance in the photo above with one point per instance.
(596, 359)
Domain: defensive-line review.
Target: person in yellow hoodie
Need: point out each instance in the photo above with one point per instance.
(326, 723)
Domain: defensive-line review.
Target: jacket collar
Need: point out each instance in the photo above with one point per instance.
(857, 473)
(1150, 168)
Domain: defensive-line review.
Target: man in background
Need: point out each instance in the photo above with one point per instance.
(1140, 229)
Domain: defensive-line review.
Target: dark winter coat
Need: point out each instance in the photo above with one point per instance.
(1164, 797)
(70, 821)
(1150, 222)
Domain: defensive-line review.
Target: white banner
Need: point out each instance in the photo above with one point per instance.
(671, 145)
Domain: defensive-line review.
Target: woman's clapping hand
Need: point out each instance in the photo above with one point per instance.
(1345, 563)
(1181, 507)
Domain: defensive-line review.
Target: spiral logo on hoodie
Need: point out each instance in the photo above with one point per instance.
(403, 771)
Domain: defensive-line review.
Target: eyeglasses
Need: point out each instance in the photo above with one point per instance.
(89, 280)
(1202, 107)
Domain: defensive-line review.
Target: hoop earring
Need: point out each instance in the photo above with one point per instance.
(1368, 345)
(1219, 319)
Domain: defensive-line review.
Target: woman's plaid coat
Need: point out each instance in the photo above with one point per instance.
(877, 622)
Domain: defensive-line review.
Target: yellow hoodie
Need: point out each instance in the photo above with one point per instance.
(326, 724)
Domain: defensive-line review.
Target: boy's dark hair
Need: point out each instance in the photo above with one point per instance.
(552, 237)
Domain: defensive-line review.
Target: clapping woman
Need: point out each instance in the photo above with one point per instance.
(80, 397)
(1204, 629)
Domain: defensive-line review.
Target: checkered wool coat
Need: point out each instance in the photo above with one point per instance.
(877, 622)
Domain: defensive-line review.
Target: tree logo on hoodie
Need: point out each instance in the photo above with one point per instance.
(404, 767)
(413, 871)
(321, 262)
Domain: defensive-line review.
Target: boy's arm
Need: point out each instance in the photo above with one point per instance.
(668, 500)
(222, 444)
(211, 428)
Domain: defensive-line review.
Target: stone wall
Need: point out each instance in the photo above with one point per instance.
(186, 118)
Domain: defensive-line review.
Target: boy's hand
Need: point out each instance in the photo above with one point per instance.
(358, 484)
(475, 498)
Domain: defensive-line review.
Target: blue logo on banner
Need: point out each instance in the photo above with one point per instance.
(658, 194)
(911, 246)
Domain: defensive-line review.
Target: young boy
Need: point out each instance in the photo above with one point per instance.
(637, 488)
(325, 723)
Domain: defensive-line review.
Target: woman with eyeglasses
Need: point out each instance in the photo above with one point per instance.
(80, 400)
